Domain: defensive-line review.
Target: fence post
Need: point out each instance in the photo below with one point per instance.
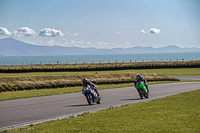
(130, 60)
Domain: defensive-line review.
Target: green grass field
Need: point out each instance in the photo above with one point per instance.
(160, 115)
(178, 113)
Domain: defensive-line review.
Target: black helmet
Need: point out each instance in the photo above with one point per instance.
(138, 76)
(85, 81)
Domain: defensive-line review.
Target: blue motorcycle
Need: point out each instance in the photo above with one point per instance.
(91, 95)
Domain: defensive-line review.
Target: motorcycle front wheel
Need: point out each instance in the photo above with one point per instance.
(147, 94)
(141, 94)
(89, 99)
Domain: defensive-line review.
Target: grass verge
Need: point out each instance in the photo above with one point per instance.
(22, 82)
(169, 114)
(39, 80)
(98, 66)
(166, 71)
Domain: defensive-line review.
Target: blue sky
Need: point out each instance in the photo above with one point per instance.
(102, 23)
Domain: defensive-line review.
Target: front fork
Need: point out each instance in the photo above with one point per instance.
(145, 88)
(95, 90)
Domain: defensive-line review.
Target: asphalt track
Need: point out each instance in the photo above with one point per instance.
(185, 77)
(15, 113)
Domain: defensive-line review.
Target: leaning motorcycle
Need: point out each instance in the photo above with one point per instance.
(88, 94)
(142, 90)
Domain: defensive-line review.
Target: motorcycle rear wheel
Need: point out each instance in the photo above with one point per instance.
(147, 95)
(99, 100)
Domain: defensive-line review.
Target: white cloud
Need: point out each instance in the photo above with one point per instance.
(40, 42)
(72, 41)
(64, 40)
(50, 42)
(29, 42)
(73, 34)
(4, 32)
(88, 43)
(103, 44)
(119, 32)
(154, 31)
(79, 42)
(48, 32)
(14, 33)
(25, 31)
(142, 31)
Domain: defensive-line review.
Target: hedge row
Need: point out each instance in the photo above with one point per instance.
(98, 66)
(21, 87)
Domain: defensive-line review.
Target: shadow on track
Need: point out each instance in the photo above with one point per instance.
(131, 99)
(79, 105)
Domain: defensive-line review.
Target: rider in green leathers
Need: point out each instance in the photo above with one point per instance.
(138, 78)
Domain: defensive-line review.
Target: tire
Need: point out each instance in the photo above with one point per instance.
(147, 94)
(99, 100)
(140, 93)
(89, 100)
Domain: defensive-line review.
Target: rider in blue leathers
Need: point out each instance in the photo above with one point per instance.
(89, 87)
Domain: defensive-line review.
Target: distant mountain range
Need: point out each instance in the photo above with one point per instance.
(12, 47)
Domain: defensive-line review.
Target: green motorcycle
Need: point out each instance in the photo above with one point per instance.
(142, 90)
